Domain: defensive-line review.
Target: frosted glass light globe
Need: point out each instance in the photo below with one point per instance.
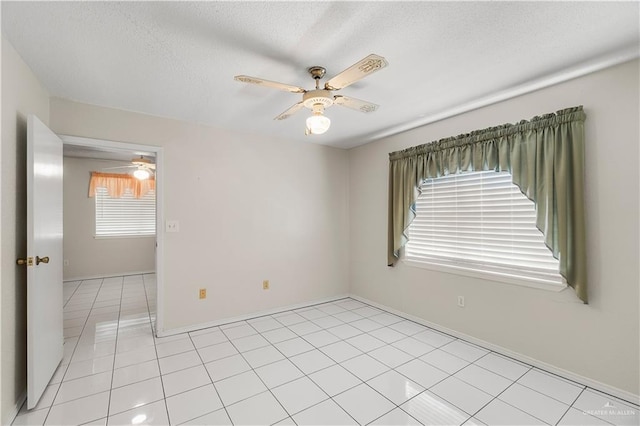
(141, 174)
(318, 124)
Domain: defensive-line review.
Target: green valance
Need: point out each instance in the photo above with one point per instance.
(545, 156)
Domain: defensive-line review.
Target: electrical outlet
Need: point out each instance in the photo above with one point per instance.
(203, 293)
(265, 285)
(65, 262)
(172, 226)
(461, 301)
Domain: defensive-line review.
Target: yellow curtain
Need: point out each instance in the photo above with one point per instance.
(117, 184)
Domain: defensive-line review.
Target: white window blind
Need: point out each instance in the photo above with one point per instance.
(125, 216)
(480, 221)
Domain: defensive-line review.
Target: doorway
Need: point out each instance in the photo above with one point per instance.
(144, 253)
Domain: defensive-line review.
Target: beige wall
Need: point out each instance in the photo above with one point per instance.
(250, 208)
(88, 256)
(22, 94)
(599, 340)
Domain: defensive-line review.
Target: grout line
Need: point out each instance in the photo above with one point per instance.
(113, 367)
(274, 345)
(164, 393)
(397, 407)
(505, 402)
(569, 407)
(137, 380)
(72, 293)
(583, 413)
(224, 407)
(362, 382)
(74, 348)
(265, 316)
(305, 375)
(258, 376)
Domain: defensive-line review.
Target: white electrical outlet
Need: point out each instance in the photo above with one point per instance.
(461, 301)
(172, 226)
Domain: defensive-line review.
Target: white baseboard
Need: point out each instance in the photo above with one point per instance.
(97, 277)
(16, 408)
(187, 329)
(582, 380)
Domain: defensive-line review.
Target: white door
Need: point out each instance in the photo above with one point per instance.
(44, 257)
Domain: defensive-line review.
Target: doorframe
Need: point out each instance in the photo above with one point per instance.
(101, 144)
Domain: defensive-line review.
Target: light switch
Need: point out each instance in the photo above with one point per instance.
(172, 226)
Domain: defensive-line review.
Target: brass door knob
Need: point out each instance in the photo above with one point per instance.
(40, 260)
(22, 261)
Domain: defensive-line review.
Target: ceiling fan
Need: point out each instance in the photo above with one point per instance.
(321, 98)
(144, 168)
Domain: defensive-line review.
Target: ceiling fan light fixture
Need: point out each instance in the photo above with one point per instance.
(141, 174)
(318, 124)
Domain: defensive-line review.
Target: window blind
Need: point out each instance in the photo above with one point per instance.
(480, 221)
(125, 216)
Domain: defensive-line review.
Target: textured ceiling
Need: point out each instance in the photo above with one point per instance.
(178, 59)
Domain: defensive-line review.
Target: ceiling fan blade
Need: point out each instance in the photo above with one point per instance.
(268, 83)
(143, 165)
(288, 113)
(119, 167)
(357, 71)
(353, 103)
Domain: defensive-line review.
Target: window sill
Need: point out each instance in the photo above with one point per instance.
(121, 237)
(488, 275)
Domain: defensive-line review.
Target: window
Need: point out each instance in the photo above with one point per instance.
(125, 216)
(480, 224)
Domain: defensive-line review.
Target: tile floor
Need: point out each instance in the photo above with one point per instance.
(339, 363)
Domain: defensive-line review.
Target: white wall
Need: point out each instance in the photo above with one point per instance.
(598, 341)
(88, 256)
(22, 94)
(250, 208)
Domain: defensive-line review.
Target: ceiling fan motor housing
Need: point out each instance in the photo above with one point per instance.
(317, 97)
(142, 162)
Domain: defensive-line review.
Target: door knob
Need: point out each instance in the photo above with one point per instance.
(40, 260)
(22, 261)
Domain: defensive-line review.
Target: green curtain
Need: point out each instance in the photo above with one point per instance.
(545, 157)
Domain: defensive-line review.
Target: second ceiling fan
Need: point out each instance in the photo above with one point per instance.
(144, 168)
(319, 99)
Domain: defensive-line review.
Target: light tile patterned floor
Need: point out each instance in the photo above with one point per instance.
(337, 363)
